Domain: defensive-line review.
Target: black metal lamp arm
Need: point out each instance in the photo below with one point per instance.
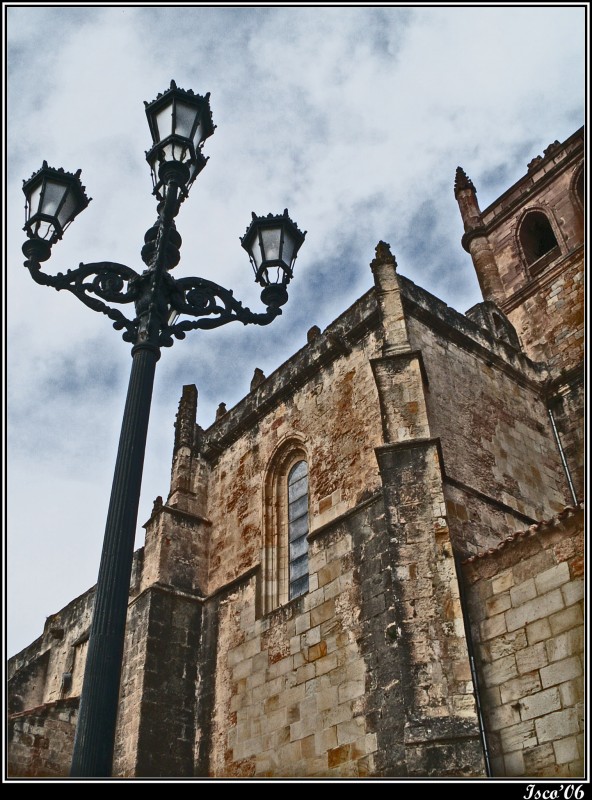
(109, 281)
(212, 304)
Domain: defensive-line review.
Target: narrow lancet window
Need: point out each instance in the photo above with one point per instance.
(298, 529)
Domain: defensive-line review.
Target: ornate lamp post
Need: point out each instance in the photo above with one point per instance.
(165, 308)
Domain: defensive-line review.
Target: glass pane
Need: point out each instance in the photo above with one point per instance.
(255, 250)
(299, 587)
(288, 248)
(52, 196)
(34, 202)
(43, 229)
(298, 489)
(169, 152)
(197, 135)
(271, 243)
(298, 471)
(299, 567)
(185, 117)
(299, 547)
(298, 508)
(179, 151)
(164, 121)
(67, 209)
(299, 527)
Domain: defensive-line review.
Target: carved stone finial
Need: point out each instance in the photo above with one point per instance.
(221, 410)
(383, 255)
(185, 422)
(313, 334)
(534, 163)
(462, 181)
(552, 148)
(156, 506)
(258, 377)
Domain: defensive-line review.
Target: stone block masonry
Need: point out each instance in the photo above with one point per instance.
(41, 739)
(291, 687)
(526, 604)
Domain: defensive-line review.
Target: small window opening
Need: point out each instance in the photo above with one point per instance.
(536, 237)
(499, 327)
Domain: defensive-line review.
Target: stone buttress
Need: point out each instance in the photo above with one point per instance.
(441, 732)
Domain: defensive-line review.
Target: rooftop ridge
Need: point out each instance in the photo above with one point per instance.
(532, 530)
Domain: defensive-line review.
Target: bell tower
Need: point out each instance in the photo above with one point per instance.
(527, 248)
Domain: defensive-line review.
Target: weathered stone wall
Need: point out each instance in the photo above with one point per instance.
(44, 686)
(485, 403)
(526, 604)
(131, 688)
(545, 299)
(156, 726)
(44, 682)
(549, 185)
(176, 550)
(337, 683)
(335, 413)
(52, 667)
(290, 686)
(550, 321)
(441, 731)
(568, 408)
(40, 740)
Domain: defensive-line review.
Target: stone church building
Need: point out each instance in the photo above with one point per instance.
(371, 566)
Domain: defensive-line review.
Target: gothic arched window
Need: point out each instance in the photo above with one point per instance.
(284, 562)
(537, 239)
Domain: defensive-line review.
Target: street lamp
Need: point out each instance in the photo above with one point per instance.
(165, 308)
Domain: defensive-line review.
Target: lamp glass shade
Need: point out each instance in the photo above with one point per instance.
(187, 121)
(33, 207)
(180, 121)
(272, 242)
(255, 251)
(54, 199)
(164, 122)
(68, 209)
(288, 247)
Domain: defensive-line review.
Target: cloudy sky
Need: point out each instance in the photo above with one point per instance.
(355, 118)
